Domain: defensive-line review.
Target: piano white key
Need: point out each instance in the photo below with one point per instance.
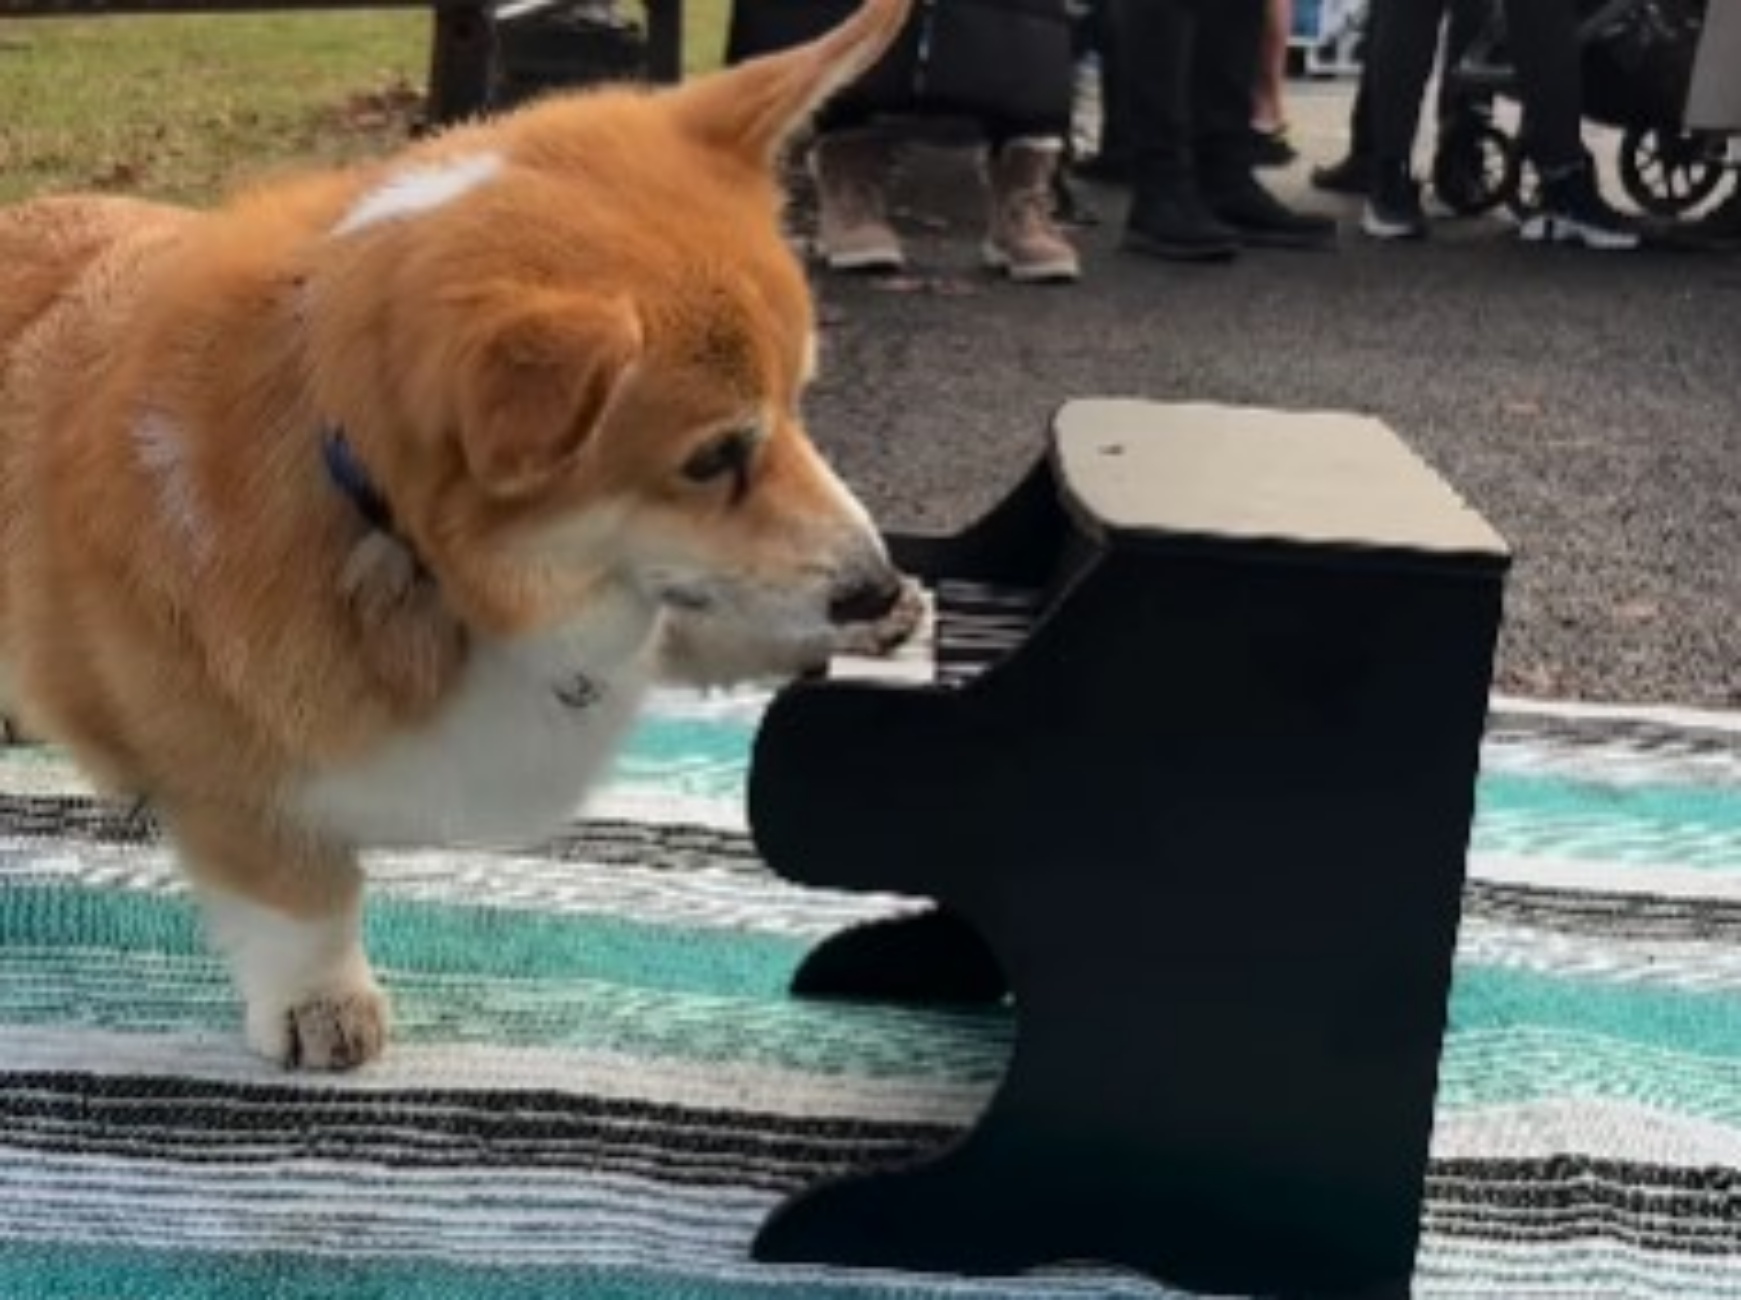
(860, 668)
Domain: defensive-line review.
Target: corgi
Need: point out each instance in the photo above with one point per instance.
(364, 509)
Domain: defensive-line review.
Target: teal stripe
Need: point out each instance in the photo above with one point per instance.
(1655, 1016)
(1502, 1055)
(412, 937)
(1515, 1067)
(57, 1272)
(692, 756)
(192, 995)
(1526, 814)
(415, 935)
(1669, 825)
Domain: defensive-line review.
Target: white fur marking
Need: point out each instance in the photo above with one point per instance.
(280, 963)
(420, 189)
(162, 453)
(507, 760)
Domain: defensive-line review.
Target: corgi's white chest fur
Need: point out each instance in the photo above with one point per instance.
(529, 731)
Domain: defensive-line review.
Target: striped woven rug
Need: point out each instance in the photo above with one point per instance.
(599, 1088)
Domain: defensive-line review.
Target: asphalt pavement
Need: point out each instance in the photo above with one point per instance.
(1589, 405)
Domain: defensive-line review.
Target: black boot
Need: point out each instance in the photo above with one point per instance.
(1171, 221)
(1262, 220)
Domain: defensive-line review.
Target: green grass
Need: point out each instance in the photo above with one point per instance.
(181, 107)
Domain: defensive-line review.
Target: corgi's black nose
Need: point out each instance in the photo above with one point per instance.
(864, 602)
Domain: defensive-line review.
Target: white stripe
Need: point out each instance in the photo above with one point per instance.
(705, 897)
(601, 1222)
(1701, 967)
(657, 805)
(1590, 1126)
(744, 899)
(487, 1067)
(1638, 878)
(1453, 1268)
(1662, 715)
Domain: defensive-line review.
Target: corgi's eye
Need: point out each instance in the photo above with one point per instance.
(728, 454)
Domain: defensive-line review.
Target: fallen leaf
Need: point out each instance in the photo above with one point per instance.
(1637, 611)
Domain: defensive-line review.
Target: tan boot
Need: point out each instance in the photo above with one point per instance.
(1022, 238)
(851, 169)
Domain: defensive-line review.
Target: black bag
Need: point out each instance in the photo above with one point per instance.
(1008, 59)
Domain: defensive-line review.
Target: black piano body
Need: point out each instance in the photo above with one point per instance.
(1205, 823)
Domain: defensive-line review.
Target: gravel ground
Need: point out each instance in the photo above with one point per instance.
(1588, 405)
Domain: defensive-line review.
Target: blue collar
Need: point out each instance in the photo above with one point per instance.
(352, 480)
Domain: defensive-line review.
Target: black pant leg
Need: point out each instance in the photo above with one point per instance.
(1405, 39)
(1544, 47)
(1360, 116)
(1155, 40)
(1114, 106)
(1223, 71)
(1468, 20)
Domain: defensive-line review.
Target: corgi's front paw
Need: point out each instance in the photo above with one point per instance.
(339, 1029)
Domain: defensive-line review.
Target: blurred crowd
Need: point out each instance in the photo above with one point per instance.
(1185, 103)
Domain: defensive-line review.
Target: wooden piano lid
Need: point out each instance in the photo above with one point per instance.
(1219, 475)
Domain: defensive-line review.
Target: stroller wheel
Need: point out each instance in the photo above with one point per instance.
(1668, 172)
(1475, 168)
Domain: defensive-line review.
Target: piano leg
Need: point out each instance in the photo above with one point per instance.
(934, 956)
(992, 1205)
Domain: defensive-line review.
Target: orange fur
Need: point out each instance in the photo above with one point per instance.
(525, 365)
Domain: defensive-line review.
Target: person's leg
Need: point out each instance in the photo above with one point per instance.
(1111, 160)
(1352, 173)
(850, 162)
(1228, 34)
(1543, 36)
(1156, 41)
(1269, 115)
(1544, 46)
(1405, 38)
(1023, 159)
(1466, 21)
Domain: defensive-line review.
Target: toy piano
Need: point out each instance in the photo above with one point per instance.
(1190, 779)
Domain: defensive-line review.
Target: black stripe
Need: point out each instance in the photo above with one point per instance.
(608, 841)
(209, 1123)
(1695, 1211)
(1605, 915)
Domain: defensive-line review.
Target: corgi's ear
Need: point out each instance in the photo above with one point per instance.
(537, 381)
(754, 108)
